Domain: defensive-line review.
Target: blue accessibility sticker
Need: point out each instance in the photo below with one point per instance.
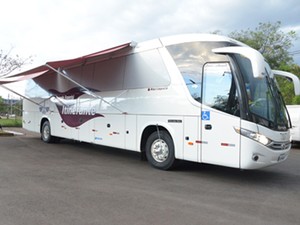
(205, 115)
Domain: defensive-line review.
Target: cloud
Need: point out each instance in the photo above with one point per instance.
(61, 29)
(57, 29)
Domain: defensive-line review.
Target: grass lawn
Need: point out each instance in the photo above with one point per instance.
(14, 122)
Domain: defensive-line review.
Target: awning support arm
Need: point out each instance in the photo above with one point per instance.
(22, 96)
(87, 91)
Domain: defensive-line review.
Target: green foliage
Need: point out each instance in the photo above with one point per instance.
(15, 122)
(296, 100)
(286, 88)
(6, 108)
(2, 106)
(269, 40)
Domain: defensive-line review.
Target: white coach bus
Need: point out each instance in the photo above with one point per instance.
(202, 98)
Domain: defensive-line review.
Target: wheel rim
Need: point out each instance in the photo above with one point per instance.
(159, 150)
(46, 132)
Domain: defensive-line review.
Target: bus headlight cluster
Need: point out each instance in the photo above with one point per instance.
(254, 136)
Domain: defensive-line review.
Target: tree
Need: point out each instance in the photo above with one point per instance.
(2, 107)
(270, 41)
(10, 63)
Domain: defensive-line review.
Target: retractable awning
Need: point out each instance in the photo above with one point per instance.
(53, 66)
(24, 76)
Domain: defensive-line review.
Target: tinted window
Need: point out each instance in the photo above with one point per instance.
(145, 69)
(109, 75)
(190, 58)
(219, 89)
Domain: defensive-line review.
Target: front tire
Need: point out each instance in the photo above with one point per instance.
(46, 133)
(160, 150)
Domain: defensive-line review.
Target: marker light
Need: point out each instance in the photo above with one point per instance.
(254, 136)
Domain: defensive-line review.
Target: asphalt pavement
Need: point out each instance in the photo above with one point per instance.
(82, 184)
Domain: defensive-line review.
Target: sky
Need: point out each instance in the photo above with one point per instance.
(50, 30)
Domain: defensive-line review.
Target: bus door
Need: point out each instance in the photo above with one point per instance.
(220, 116)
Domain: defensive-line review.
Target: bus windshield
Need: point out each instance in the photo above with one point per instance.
(261, 100)
(265, 102)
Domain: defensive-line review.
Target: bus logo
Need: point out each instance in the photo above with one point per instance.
(205, 115)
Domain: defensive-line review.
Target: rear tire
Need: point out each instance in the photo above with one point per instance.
(160, 150)
(46, 133)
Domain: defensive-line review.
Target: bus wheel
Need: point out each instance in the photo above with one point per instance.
(46, 133)
(160, 150)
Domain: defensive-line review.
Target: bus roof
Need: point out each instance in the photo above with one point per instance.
(182, 38)
(51, 67)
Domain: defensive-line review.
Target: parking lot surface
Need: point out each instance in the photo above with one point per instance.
(82, 184)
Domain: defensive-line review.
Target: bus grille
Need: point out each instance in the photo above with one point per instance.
(280, 145)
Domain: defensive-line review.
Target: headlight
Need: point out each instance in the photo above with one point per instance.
(254, 136)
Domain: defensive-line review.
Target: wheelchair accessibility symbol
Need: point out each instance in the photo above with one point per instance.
(205, 115)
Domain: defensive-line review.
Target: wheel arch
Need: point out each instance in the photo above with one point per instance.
(148, 130)
(51, 138)
(43, 120)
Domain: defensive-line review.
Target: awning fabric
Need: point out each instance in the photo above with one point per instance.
(21, 77)
(43, 69)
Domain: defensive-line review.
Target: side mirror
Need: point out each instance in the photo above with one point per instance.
(257, 60)
(290, 76)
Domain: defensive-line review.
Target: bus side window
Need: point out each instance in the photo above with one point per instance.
(219, 89)
(193, 83)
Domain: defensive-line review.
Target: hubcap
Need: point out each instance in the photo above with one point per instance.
(46, 132)
(159, 150)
